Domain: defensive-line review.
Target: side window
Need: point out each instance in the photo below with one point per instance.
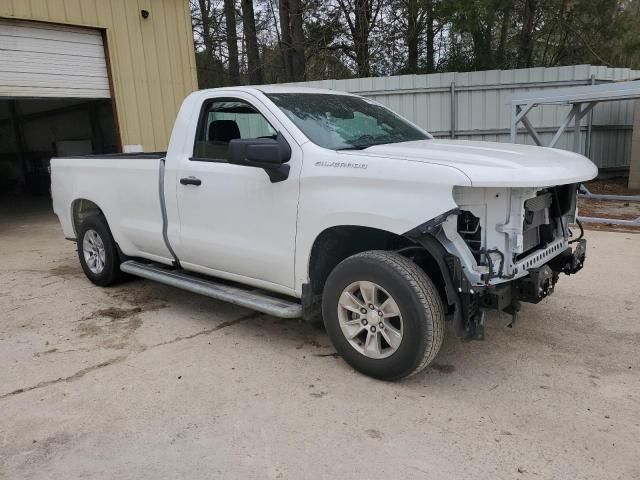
(223, 120)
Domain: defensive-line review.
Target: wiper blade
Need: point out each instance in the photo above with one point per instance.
(354, 147)
(362, 146)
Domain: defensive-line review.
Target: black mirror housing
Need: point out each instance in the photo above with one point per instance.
(266, 153)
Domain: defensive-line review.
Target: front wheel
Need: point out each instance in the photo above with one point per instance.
(383, 314)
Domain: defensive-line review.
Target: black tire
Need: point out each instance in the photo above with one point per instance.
(417, 299)
(110, 273)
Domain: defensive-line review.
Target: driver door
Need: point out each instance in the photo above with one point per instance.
(234, 222)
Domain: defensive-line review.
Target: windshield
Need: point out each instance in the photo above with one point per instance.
(344, 122)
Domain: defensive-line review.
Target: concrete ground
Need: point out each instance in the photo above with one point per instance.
(144, 381)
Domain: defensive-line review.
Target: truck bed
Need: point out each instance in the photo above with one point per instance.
(125, 190)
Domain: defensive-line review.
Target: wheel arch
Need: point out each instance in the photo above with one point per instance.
(80, 209)
(336, 243)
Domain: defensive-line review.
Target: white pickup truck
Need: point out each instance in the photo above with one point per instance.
(315, 203)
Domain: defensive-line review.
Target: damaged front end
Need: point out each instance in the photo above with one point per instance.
(503, 246)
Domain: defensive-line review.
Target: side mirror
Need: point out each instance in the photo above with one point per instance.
(266, 153)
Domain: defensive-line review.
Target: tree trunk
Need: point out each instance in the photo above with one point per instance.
(209, 66)
(431, 38)
(251, 42)
(413, 36)
(207, 37)
(365, 13)
(298, 64)
(504, 31)
(232, 41)
(361, 37)
(285, 37)
(525, 50)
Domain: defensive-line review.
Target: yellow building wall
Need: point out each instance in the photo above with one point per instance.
(152, 60)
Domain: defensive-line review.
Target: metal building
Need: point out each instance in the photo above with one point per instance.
(88, 76)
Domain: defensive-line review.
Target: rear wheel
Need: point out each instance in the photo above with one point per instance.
(98, 252)
(383, 314)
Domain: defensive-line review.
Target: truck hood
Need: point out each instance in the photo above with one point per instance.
(492, 164)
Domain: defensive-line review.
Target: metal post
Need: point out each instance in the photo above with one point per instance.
(520, 115)
(18, 137)
(576, 128)
(580, 113)
(514, 126)
(453, 109)
(587, 147)
(570, 116)
(634, 162)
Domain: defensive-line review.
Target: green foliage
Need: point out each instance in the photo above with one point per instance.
(421, 36)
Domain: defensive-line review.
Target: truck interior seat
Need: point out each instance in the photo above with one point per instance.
(223, 131)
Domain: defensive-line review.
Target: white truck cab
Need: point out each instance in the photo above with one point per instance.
(327, 205)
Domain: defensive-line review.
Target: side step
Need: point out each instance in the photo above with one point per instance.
(255, 300)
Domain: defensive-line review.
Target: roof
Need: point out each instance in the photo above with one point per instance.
(570, 95)
(282, 88)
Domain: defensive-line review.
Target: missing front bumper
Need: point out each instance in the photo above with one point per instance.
(540, 281)
(537, 285)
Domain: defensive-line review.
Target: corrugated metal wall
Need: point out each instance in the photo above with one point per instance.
(473, 105)
(152, 60)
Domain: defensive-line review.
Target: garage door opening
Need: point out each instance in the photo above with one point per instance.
(55, 100)
(35, 129)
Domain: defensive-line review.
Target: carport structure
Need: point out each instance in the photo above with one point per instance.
(581, 100)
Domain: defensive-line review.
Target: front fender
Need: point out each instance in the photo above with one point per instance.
(382, 193)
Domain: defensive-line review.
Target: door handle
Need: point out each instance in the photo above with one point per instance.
(190, 181)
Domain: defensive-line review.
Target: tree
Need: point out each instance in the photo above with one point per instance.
(477, 26)
(415, 12)
(431, 34)
(298, 61)
(419, 26)
(361, 16)
(285, 37)
(526, 46)
(504, 35)
(325, 41)
(254, 66)
(206, 29)
(232, 41)
(293, 40)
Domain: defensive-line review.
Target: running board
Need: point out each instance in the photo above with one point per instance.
(254, 300)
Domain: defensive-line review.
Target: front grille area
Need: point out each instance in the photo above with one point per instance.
(543, 217)
(536, 230)
(471, 232)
